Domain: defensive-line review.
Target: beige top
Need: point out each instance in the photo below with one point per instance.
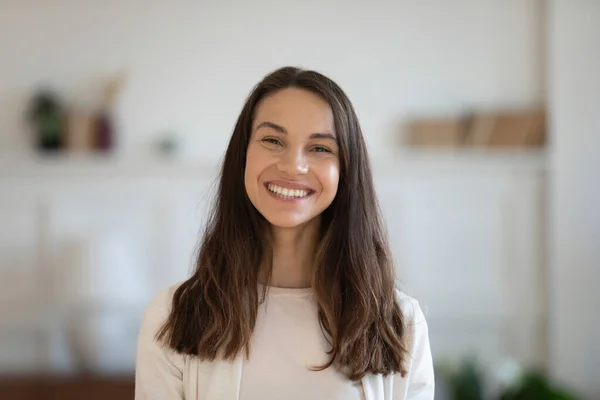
(162, 374)
(287, 341)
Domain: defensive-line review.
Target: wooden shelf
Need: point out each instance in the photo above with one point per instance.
(441, 159)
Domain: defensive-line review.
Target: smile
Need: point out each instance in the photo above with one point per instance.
(288, 194)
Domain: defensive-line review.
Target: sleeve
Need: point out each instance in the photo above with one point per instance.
(421, 385)
(159, 370)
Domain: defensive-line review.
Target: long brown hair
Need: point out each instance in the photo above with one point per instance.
(214, 312)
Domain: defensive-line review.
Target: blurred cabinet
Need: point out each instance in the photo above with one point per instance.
(81, 255)
(468, 244)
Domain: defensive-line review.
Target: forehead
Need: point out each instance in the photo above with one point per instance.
(296, 110)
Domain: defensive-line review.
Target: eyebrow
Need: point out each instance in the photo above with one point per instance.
(281, 129)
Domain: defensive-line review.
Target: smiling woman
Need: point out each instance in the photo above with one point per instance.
(294, 292)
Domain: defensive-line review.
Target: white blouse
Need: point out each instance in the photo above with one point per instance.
(287, 341)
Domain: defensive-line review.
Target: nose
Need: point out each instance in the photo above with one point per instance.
(293, 162)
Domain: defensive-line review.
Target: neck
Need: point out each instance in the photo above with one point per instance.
(294, 251)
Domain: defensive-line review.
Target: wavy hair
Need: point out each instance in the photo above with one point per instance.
(214, 312)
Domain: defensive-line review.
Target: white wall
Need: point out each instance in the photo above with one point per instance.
(191, 63)
(574, 88)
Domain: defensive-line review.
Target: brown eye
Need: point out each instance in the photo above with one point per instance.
(321, 149)
(271, 140)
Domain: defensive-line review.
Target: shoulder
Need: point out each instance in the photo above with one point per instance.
(159, 369)
(157, 311)
(415, 322)
(155, 315)
(420, 381)
(411, 309)
(163, 299)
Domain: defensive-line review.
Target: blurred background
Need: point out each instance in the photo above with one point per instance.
(483, 125)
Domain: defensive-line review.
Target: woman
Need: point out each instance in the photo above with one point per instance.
(293, 296)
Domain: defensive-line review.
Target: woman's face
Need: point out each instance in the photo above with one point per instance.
(292, 162)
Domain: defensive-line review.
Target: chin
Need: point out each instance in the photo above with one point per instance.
(289, 222)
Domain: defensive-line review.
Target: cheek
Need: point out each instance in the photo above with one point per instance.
(330, 177)
(255, 164)
(250, 175)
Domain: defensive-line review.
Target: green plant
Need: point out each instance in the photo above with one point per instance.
(465, 381)
(535, 386)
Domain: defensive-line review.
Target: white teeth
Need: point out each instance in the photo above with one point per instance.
(287, 193)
